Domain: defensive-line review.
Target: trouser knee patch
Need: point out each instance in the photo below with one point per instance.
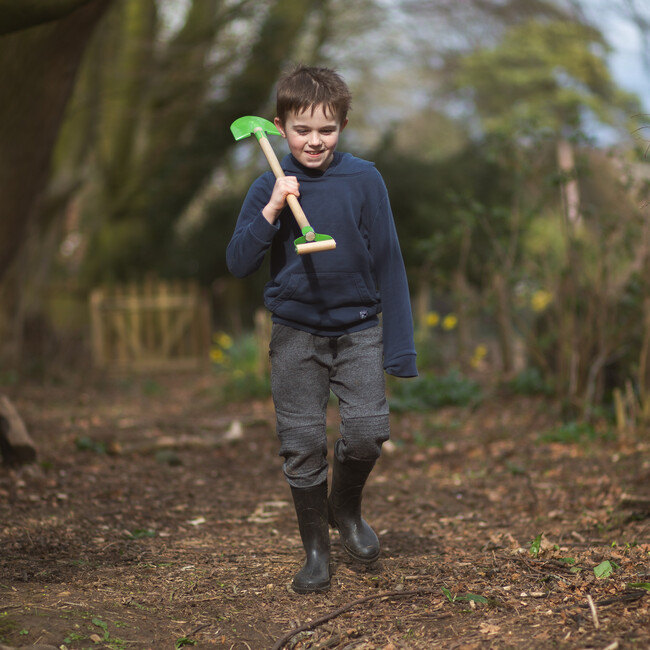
(362, 438)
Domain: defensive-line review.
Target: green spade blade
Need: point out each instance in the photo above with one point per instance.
(251, 125)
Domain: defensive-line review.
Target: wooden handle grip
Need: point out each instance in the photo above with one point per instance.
(314, 247)
(276, 168)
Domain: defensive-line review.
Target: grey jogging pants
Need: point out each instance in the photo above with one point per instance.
(304, 367)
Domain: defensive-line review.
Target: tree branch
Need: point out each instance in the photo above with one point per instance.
(15, 16)
(344, 608)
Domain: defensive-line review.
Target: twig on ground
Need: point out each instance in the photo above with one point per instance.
(627, 597)
(344, 608)
(594, 613)
(198, 629)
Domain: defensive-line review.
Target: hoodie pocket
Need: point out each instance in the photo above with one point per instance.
(324, 299)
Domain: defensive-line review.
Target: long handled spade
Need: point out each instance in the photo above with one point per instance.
(310, 242)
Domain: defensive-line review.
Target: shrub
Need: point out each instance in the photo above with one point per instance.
(428, 391)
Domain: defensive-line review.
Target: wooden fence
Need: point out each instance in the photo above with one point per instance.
(150, 326)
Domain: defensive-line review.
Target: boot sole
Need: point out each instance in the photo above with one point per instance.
(312, 590)
(359, 558)
(362, 559)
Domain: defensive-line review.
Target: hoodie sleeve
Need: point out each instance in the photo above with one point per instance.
(253, 233)
(397, 318)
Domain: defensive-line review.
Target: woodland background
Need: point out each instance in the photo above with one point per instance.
(516, 166)
(512, 501)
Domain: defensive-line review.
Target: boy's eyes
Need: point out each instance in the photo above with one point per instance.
(323, 131)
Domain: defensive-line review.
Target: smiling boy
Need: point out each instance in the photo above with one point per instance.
(325, 309)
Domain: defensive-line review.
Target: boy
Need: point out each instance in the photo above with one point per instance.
(325, 307)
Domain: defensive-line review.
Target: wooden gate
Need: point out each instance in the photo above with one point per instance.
(150, 326)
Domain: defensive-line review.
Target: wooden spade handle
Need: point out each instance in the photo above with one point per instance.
(316, 246)
(276, 168)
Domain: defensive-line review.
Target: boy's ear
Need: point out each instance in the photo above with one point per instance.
(279, 126)
(344, 123)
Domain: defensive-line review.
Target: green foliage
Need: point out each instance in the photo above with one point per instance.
(605, 569)
(141, 533)
(536, 545)
(543, 76)
(575, 432)
(438, 203)
(7, 626)
(544, 240)
(242, 386)
(151, 387)
(9, 377)
(529, 382)
(86, 443)
(467, 597)
(234, 355)
(428, 391)
(236, 362)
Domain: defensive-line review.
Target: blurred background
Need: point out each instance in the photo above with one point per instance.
(513, 136)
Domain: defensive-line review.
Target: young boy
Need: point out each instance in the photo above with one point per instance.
(326, 331)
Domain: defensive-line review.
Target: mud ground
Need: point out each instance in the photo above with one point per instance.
(157, 517)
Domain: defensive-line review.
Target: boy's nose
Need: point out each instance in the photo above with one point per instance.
(314, 138)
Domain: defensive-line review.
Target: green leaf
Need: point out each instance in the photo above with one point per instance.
(467, 597)
(640, 585)
(604, 569)
(140, 533)
(535, 545)
(183, 641)
(99, 623)
(476, 598)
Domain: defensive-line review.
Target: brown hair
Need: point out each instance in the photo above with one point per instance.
(306, 87)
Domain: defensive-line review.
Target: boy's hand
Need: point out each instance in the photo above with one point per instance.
(283, 186)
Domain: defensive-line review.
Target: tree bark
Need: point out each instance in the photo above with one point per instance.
(504, 324)
(570, 187)
(16, 15)
(38, 67)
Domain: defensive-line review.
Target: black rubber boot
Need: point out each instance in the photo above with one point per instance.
(311, 510)
(344, 509)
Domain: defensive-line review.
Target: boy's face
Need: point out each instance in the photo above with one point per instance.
(313, 138)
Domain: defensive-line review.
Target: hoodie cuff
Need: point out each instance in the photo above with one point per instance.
(403, 366)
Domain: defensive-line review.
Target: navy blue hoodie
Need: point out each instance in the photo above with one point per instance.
(338, 291)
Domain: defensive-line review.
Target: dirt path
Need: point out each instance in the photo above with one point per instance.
(157, 518)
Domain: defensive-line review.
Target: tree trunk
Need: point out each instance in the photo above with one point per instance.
(462, 300)
(38, 68)
(422, 301)
(504, 323)
(570, 188)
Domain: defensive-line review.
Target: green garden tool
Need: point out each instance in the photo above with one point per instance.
(310, 242)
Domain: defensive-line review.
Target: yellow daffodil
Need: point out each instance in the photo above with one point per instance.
(216, 355)
(223, 340)
(540, 300)
(433, 318)
(480, 351)
(479, 354)
(449, 322)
